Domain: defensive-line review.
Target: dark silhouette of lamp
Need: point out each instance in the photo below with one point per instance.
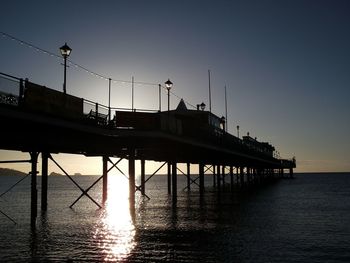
(238, 131)
(201, 106)
(168, 85)
(65, 52)
(223, 122)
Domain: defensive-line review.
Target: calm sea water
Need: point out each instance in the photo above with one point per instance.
(302, 220)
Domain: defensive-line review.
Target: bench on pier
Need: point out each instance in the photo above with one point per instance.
(99, 118)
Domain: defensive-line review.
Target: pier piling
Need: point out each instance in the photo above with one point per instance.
(44, 180)
(174, 183)
(34, 191)
(104, 179)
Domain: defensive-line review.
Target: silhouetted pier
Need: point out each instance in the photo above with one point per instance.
(39, 120)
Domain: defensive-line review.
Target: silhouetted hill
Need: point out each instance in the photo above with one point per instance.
(55, 174)
(7, 171)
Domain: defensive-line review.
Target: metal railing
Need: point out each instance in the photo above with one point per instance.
(11, 89)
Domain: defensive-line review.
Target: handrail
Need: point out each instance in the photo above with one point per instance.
(9, 76)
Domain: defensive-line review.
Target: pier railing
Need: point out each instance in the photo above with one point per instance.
(14, 91)
(11, 89)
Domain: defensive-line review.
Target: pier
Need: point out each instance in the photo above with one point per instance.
(41, 121)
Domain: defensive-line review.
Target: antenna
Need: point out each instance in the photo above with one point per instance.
(226, 109)
(209, 91)
(132, 93)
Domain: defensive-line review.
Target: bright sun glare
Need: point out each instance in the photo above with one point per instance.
(117, 231)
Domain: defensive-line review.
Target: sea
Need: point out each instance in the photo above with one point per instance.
(305, 219)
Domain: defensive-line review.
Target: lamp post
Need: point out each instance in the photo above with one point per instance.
(201, 106)
(238, 131)
(65, 52)
(223, 123)
(168, 85)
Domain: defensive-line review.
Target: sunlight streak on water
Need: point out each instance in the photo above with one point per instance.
(116, 231)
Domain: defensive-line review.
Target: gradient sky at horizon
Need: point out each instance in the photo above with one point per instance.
(285, 63)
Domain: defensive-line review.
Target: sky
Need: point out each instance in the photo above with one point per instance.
(285, 64)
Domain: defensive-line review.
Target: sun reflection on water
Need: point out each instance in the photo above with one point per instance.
(116, 231)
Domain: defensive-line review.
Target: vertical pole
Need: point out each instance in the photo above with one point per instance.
(143, 177)
(160, 97)
(189, 176)
(231, 177)
(226, 126)
(65, 74)
(44, 175)
(104, 179)
(223, 176)
(214, 175)
(209, 90)
(109, 99)
(218, 176)
(174, 182)
(21, 92)
(34, 191)
(132, 177)
(241, 169)
(168, 100)
(201, 179)
(291, 172)
(132, 93)
(248, 176)
(169, 178)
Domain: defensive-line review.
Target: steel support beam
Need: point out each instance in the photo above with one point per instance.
(44, 180)
(34, 191)
(104, 179)
(174, 183)
(132, 177)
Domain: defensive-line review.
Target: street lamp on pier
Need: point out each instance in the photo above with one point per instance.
(65, 52)
(168, 85)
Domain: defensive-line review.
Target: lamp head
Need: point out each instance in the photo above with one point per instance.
(65, 50)
(168, 84)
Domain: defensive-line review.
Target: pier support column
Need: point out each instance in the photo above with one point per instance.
(223, 174)
(34, 191)
(218, 177)
(174, 183)
(248, 177)
(201, 179)
(44, 181)
(132, 178)
(214, 175)
(231, 177)
(104, 179)
(291, 173)
(169, 178)
(241, 176)
(143, 177)
(189, 176)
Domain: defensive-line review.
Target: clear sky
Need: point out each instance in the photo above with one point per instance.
(285, 63)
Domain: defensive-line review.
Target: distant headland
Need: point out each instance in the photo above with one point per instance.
(12, 172)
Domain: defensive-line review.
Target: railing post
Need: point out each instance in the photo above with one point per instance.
(21, 92)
